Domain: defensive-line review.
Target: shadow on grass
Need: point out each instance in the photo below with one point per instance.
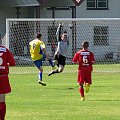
(68, 88)
(101, 86)
(102, 100)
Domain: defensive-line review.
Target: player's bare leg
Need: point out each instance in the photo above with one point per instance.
(40, 77)
(87, 85)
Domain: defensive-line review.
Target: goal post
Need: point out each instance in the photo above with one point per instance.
(103, 34)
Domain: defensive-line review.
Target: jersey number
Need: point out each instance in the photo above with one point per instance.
(34, 45)
(85, 59)
(1, 60)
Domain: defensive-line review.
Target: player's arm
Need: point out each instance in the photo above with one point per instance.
(56, 55)
(42, 46)
(93, 62)
(44, 51)
(58, 33)
(58, 48)
(75, 58)
(92, 58)
(69, 33)
(11, 60)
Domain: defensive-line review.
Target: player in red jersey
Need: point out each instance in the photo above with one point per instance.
(85, 59)
(6, 60)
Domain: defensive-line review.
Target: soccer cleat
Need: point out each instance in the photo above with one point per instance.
(42, 83)
(50, 73)
(82, 98)
(53, 68)
(87, 85)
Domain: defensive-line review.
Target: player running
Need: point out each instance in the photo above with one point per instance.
(38, 54)
(6, 60)
(61, 52)
(85, 59)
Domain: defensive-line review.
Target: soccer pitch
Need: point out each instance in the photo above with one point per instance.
(60, 99)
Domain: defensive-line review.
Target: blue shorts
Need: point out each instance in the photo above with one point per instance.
(38, 63)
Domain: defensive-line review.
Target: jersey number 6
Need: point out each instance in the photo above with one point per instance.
(1, 60)
(85, 60)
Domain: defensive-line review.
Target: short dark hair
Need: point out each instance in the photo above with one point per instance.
(39, 35)
(85, 44)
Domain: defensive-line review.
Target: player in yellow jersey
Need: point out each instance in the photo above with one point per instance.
(38, 54)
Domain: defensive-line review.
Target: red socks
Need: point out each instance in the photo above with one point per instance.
(2, 110)
(81, 90)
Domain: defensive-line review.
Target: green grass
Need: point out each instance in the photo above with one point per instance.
(110, 68)
(60, 99)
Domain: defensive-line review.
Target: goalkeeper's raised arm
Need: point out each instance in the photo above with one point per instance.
(59, 32)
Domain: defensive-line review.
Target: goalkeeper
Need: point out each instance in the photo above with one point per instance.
(61, 52)
(38, 54)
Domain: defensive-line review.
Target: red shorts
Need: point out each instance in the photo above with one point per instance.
(84, 76)
(4, 84)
